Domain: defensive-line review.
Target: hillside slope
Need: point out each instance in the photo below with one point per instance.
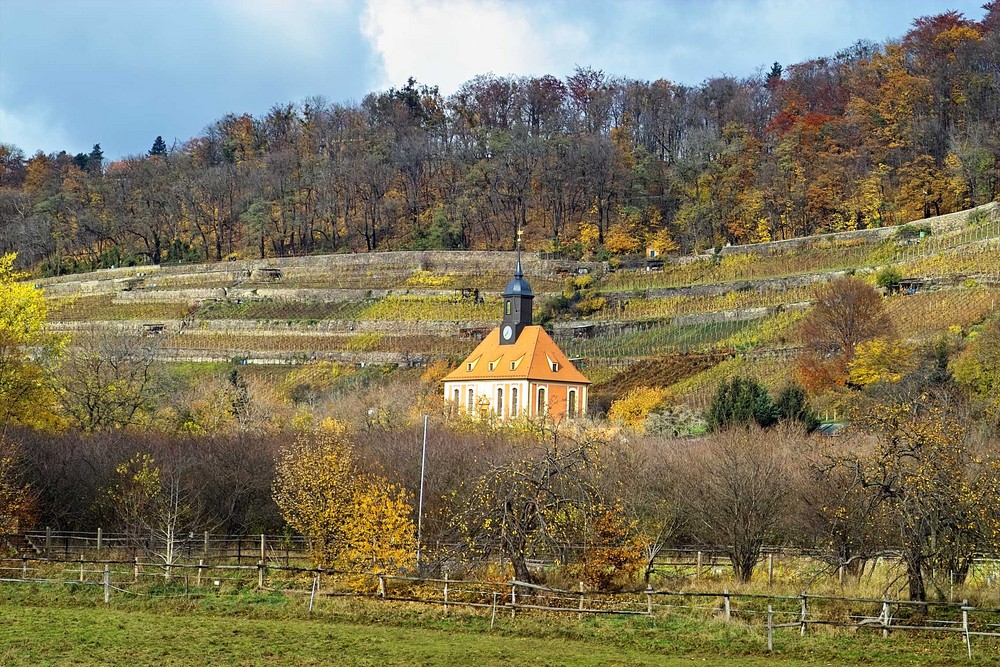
(737, 305)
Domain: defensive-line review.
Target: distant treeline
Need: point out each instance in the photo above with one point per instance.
(876, 134)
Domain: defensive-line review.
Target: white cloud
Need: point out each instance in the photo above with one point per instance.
(446, 43)
(34, 130)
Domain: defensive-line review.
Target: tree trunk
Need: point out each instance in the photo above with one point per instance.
(915, 576)
(521, 572)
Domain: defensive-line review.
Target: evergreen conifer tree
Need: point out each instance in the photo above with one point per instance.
(159, 147)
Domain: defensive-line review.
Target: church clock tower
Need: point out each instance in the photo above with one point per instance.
(517, 298)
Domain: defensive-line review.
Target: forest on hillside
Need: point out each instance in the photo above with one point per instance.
(595, 165)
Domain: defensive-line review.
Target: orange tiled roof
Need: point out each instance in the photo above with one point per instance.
(530, 357)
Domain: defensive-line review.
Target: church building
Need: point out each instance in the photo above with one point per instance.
(518, 370)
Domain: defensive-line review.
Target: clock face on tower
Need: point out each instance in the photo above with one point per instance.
(507, 332)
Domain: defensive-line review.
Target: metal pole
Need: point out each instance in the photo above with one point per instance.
(420, 502)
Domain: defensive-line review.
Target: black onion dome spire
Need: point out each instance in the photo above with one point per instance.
(517, 298)
(518, 286)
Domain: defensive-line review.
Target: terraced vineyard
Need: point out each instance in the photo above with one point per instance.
(686, 326)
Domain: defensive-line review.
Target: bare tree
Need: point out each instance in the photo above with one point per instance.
(109, 379)
(847, 311)
(732, 489)
(531, 504)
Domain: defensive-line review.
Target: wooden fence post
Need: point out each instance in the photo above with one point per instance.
(260, 574)
(802, 618)
(107, 583)
(698, 569)
(885, 618)
(48, 540)
(135, 570)
(312, 593)
(24, 567)
(725, 603)
(770, 628)
(965, 627)
(446, 593)
(513, 598)
(201, 564)
(263, 543)
(579, 616)
(649, 601)
(381, 586)
(770, 570)
(204, 546)
(81, 568)
(493, 618)
(100, 540)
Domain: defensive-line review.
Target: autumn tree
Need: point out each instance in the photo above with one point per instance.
(845, 312)
(351, 519)
(27, 351)
(535, 504)
(153, 508)
(880, 360)
(635, 406)
(940, 494)
(977, 369)
(615, 551)
(110, 379)
(17, 501)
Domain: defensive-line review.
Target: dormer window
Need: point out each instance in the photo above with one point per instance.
(493, 365)
(516, 362)
(471, 365)
(553, 364)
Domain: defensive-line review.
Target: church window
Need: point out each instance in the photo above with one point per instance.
(513, 401)
(500, 401)
(472, 401)
(571, 402)
(458, 397)
(543, 407)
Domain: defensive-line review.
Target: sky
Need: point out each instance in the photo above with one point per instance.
(74, 73)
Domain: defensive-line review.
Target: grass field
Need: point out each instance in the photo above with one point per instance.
(49, 626)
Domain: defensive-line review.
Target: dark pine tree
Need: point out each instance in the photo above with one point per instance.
(159, 148)
(95, 161)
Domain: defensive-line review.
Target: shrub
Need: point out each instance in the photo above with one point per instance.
(792, 405)
(635, 405)
(741, 401)
(888, 277)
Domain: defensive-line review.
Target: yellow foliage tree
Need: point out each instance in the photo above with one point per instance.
(880, 360)
(26, 350)
(16, 500)
(618, 241)
(590, 236)
(663, 243)
(615, 552)
(379, 536)
(634, 406)
(353, 521)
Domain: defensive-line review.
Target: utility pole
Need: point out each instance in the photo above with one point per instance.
(420, 502)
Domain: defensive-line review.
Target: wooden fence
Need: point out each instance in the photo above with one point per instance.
(191, 548)
(769, 613)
